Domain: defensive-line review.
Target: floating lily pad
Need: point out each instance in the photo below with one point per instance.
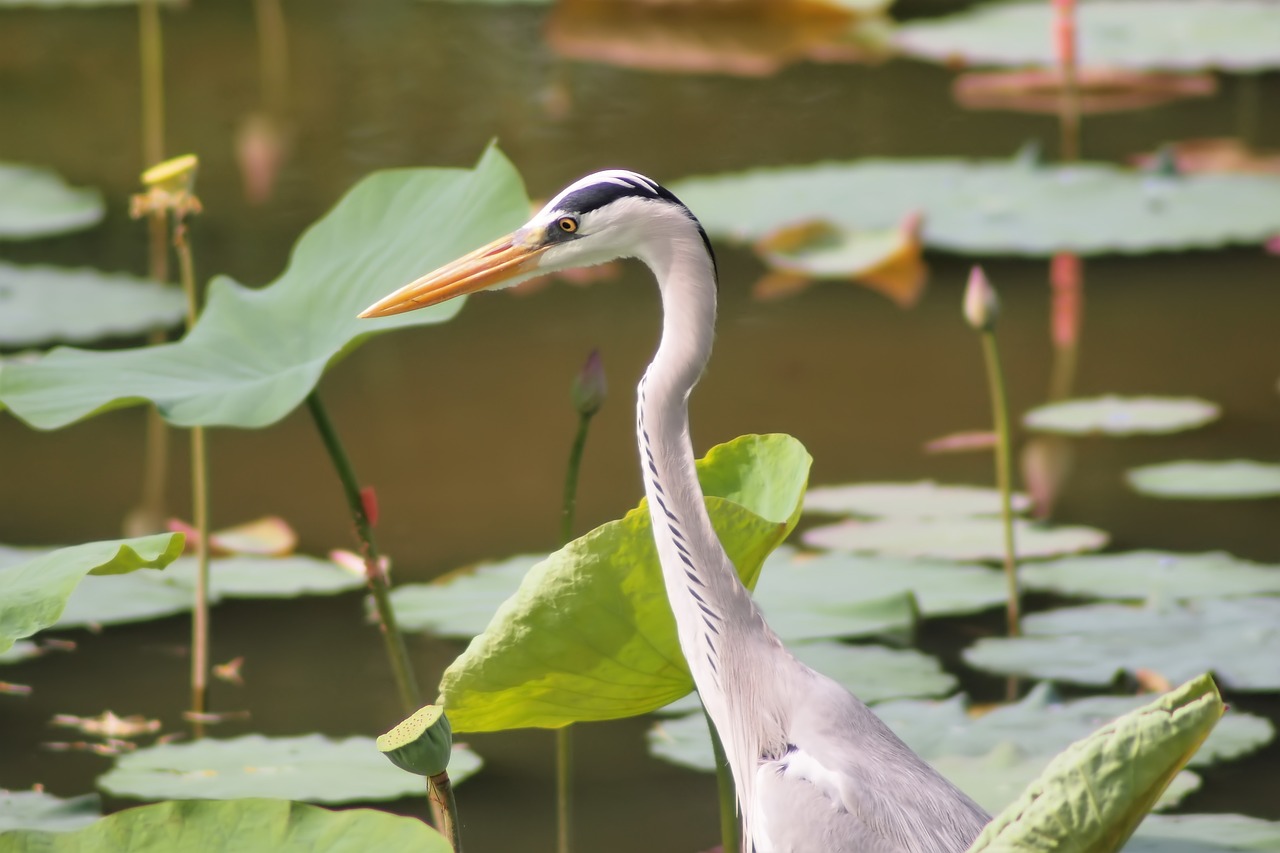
(1236, 479)
(237, 826)
(1236, 639)
(35, 202)
(38, 810)
(1159, 575)
(368, 245)
(266, 577)
(1204, 833)
(996, 206)
(43, 305)
(117, 601)
(461, 603)
(954, 538)
(1113, 415)
(1232, 35)
(925, 499)
(311, 768)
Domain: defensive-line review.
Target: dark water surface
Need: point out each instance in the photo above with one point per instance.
(464, 428)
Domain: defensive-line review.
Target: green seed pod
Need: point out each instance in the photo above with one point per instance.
(422, 744)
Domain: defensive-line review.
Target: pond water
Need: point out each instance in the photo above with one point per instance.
(464, 428)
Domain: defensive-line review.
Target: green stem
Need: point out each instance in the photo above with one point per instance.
(571, 480)
(730, 828)
(445, 807)
(1004, 474)
(151, 57)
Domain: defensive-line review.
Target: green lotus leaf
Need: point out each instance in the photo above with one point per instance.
(311, 768)
(1232, 35)
(237, 826)
(1092, 796)
(116, 601)
(1204, 833)
(1236, 479)
(874, 673)
(1236, 639)
(925, 499)
(1112, 415)
(954, 538)
(589, 635)
(1160, 575)
(38, 810)
(996, 206)
(42, 305)
(256, 353)
(461, 603)
(35, 202)
(33, 594)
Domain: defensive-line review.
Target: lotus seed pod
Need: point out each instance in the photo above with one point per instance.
(589, 387)
(174, 176)
(981, 307)
(422, 744)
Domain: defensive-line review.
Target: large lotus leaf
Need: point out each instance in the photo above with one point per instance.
(33, 594)
(589, 635)
(1112, 415)
(236, 826)
(1236, 479)
(116, 601)
(1204, 833)
(1237, 639)
(461, 603)
(36, 202)
(873, 673)
(997, 206)
(256, 353)
(1159, 575)
(954, 538)
(38, 810)
(1093, 795)
(42, 305)
(925, 499)
(312, 768)
(1234, 35)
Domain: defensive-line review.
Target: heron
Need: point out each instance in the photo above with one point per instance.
(815, 770)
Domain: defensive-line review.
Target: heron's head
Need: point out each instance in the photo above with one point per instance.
(606, 215)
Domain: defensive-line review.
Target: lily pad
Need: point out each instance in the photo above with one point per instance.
(42, 305)
(35, 202)
(235, 368)
(1236, 479)
(237, 826)
(996, 206)
(1204, 833)
(1176, 35)
(311, 768)
(33, 594)
(1236, 639)
(954, 538)
(38, 810)
(925, 499)
(589, 635)
(117, 601)
(461, 603)
(1159, 575)
(1112, 415)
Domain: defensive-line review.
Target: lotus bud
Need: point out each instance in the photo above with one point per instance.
(422, 744)
(589, 387)
(981, 307)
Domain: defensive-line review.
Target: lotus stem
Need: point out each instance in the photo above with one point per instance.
(445, 808)
(1064, 26)
(1004, 475)
(730, 828)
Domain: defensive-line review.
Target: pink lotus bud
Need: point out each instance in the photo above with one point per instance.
(981, 307)
(589, 387)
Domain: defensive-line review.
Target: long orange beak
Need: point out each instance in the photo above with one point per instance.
(487, 266)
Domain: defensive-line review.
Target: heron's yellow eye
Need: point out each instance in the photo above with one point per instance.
(567, 224)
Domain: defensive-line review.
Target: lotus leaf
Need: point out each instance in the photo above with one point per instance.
(1175, 35)
(1237, 639)
(312, 768)
(20, 651)
(236, 368)
(1161, 575)
(237, 826)
(1093, 795)
(33, 594)
(38, 810)
(1204, 833)
(461, 603)
(1113, 415)
(35, 202)
(925, 499)
(954, 538)
(996, 206)
(116, 601)
(589, 635)
(1236, 479)
(41, 305)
